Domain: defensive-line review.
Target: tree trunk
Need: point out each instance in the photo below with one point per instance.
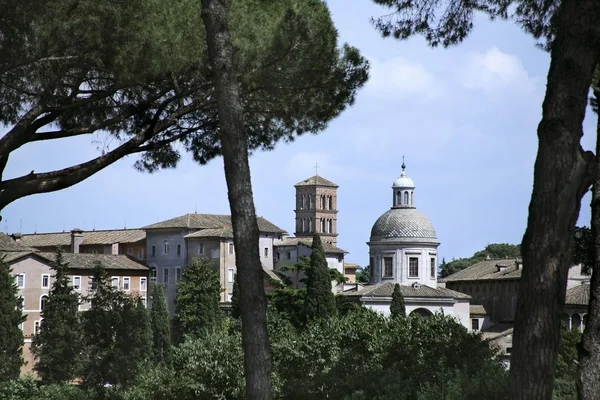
(234, 141)
(562, 175)
(588, 382)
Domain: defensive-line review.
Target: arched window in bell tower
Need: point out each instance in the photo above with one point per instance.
(310, 204)
(303, 225)
(406, 198)
(303, 199)
(310, 222)
(330, 203)
(398, 198)
(412, 201)
(322, 225)
(330, 227)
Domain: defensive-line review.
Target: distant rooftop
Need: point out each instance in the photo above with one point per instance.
(100, 237)
(316, 180)
(294, 241)
(488, 270)
(81, 260)
(210, 221)
(387, 288)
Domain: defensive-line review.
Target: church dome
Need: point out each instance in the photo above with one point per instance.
(403, 224)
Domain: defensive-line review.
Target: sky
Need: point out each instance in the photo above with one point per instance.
(465, 119)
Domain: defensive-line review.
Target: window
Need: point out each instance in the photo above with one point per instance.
(230, 275)
(229, 297)
(330, 203)
(413, 267)
(387, 266)
(310, 204)
(77, 282)
(165, 247)
(433, 271)
(277, 256)
(289, 255)
(508, 350)
(43, 301)
(143, 285)
(178, 274)
(36, 327)
(303, 225)
(144, 301)
(323, 225)
(20, 278)
(152, 275)
(230, 248)
(165, 275)
(126, 283)
(153, 251)
(266, 252)
(178, 250)
(200, 248)
(330, 228)
(130, 251)
(115, 281)
(303, 205)
(405, 197)
(310, 228)
(398, 198)
(45, 281)
(475, 324)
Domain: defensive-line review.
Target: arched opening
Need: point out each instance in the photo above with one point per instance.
(565, 321)
(43, 301)
(398, 198)
(405, 198)
(303, 230)
(422, 312)
(303, 199)
(330, 207)
(310, 204)
(576, 322)
(330, 227)
(310, 225)
(323, 225)
(411, 198)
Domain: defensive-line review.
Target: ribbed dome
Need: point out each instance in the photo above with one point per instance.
(403, 224)
(403, 181)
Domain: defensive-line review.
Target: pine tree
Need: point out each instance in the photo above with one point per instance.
(235, 298)
(319, 301)
(161, 326)
(133, 341)
(11, 316)
(100, 324)
(397, 308)
(58, 344)
(197, 300)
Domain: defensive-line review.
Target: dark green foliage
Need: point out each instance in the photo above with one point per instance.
(29, 389)
(197, 301)
(565, 381)
(363, 275)
(161, 326)
(492, 251)
(289, 303)
(133, 341)
(319, 301)
(345, 304)
(583, 249)
(101, 324)
(235, 298)
(58, 345)
(11, 316)
(397, 308)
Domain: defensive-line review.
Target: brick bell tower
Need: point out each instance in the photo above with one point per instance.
(316, 208)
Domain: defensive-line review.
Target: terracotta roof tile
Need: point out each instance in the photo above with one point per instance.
(578, 295)
(387, 288)
(477, 310)
(83, 260)
(210, 221)
(211, 232)
(8, 244)
(316, 180)
(105, 237)
(487, 270)
(293, 241)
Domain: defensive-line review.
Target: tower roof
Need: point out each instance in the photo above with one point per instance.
(403, 180)
(316, 181)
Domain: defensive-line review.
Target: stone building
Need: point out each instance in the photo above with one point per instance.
(403, 249)
(174, 243)
(316, 209)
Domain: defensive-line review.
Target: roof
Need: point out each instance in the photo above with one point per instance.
(351, 265)
(403, 181)
(83, 260)
(271, 274)
(210, 221)
(406, 224)
(8, 244)
(578, 295)
(387, 288)
(477, 310)
(316, 180)
(293, 241)
(54, 239)
(211, 232)
(487, 270)
(497, 331)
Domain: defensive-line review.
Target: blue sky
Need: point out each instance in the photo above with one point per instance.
(465, 118)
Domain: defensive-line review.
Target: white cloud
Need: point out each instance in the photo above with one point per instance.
(401, 79)
(496, 72)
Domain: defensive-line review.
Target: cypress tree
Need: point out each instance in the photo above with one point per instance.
(133, 341)
(235, 298)
(11, 316)
(397, 308)
(319, 301)
(197, 300)
(100, 324)
(161, 326)
(58, 345)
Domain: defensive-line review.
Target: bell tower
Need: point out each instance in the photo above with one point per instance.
(316, 209)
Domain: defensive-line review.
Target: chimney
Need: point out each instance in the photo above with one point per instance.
(17, 237)
(518, 264)
(76, 239)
